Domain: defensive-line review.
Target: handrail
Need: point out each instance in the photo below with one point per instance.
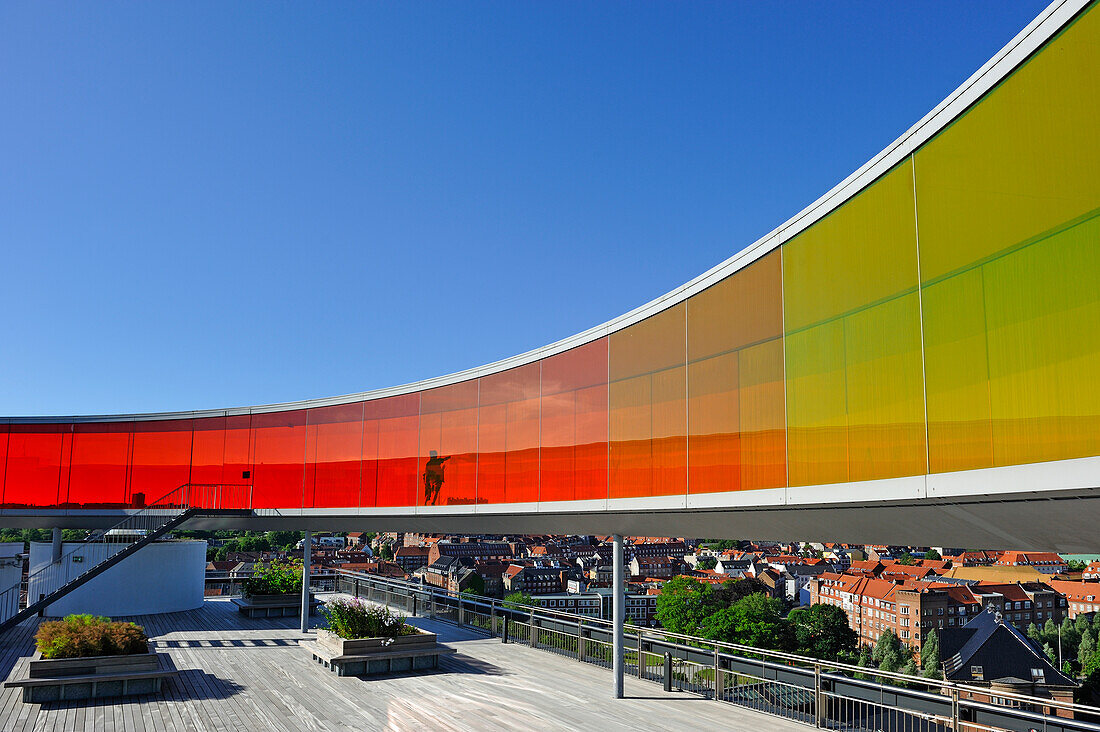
(729, 650)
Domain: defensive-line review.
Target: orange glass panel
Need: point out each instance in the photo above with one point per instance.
(735, 437)
(100, 462)
(278, 454)
(574, 424)
(508, 436)
(334, 444)
(648, 407)
(390, 437)
(448, 445)
(34, 464)
(161, 459)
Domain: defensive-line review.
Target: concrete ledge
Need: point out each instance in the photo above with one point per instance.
(380, 662)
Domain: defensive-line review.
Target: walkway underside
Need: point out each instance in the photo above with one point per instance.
(238, 674)
(1063, 521)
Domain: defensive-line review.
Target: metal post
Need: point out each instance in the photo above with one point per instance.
(618, 614)
(641, 656)
(817, 696)
(954, 710)
(717, 677)
(461, 611)
(504, 633)
(668, 671)
(582, 650)
(56, 556)
(305, 580)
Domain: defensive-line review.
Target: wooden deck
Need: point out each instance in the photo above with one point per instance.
(241, 674)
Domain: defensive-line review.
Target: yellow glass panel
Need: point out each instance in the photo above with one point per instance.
(1043, 311)
(1007, 198)
(956, 370)
(855, 403)
(648, 410)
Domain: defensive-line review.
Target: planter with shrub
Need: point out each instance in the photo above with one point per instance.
(86, 657)
(274, 591)
(365, 639)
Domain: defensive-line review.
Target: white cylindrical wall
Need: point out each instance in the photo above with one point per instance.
(163, 577)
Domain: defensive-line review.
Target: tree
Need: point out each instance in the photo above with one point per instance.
(1086, 649)
(888, 641)
(1050, 653)
(756, 620)
(385, 553)
(906, 559)
(1071, 639)
(909, 668)
(822, 631)
(706, 562)
(1034, 633)
(891, 660)
(518, 598)
(864, 660)
(1081, 624)
(684, 603)
(932, 555)
(1076, 565)
(283, 540)
(930, 656)
(475, 584)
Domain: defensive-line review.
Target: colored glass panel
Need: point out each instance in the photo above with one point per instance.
(390, 438)
(508, 436)
(733, 445)
(448, 445)
(99, 466)
(3, 458)
(648, 407)
(855, 403)
(278, 456)
(334, 461)
(34, 464)
(161, 459)
(1007, 206)
(574, 424)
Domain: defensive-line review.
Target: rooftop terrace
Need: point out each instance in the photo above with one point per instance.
(239, 674)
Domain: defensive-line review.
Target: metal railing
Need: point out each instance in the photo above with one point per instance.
(823, 694)
(100, 545)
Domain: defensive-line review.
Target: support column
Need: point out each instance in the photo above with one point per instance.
(56, 555)
(618, 614)
(306, 546)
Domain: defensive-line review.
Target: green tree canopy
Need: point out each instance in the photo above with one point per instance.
(930, 656)
(932, 555)
(707, 562)
(518, 598)
(887, 642)
(822, 631)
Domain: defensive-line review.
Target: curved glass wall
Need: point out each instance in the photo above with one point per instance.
(945, 318)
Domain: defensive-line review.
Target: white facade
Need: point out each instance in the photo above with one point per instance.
(163, 577)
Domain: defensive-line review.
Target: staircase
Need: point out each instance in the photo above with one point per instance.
(55, 580)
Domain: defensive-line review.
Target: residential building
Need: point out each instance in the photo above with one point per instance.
(1044, 562)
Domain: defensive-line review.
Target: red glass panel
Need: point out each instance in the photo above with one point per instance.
(161, 459)
(334, 444)
(278, 457)
(220, 455)
(35, 456)
(3, 458)
(448, 445)
(508, 436)
(574, 424)
(100, 463)
(390, 436)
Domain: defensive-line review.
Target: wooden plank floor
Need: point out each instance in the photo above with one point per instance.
(240, 674)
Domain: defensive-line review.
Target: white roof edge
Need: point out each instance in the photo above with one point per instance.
(1051, 20)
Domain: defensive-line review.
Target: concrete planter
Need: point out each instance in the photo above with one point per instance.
(365, 646)
(377, 656)
(273, 606)
(42, 668)
(94, 677)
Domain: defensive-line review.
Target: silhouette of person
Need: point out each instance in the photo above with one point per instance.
(433, 477)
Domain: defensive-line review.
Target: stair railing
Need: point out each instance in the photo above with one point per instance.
(101, 545)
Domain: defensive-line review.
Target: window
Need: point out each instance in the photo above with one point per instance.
(1038, 676)
(939, 611)
(977, 673)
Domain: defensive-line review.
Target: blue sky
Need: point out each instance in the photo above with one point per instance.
(220, 204)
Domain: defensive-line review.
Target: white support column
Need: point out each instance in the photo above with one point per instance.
(56, 555)
(618, 612)
(306, 544)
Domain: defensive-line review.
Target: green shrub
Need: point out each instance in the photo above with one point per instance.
(277, 578)
(81, 636)
(353, 618)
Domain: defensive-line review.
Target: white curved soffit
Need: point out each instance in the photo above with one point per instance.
(1027, 41)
